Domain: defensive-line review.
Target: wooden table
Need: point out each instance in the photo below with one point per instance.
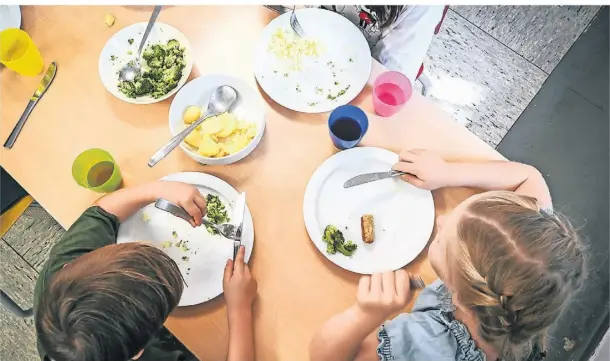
(298, 288)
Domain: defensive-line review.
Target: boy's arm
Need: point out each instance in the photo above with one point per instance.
(241, 336)
(125, 202)
(427, 170)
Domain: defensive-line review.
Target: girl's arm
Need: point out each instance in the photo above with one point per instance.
(342, 337)
(351, 334)
(428, 170)
(240, 290)
(125, 202)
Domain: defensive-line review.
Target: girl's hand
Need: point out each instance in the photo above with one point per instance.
(238, 285)
(382, 294)
(186, 196)
(426, 169)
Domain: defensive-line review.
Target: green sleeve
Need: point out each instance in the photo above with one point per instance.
(94, 229)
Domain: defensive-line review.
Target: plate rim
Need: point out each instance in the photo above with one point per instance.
(308, 110)
(313, 185)
(183, 80)
(184, 178)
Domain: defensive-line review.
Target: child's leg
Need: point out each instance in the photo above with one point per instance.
(405, 46)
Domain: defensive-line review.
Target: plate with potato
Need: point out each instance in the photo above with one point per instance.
(223, 139)
(374, 227)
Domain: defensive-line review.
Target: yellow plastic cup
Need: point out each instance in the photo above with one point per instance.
(95, 169)
(19, 53)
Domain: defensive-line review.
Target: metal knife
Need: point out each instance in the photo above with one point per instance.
(371, 177)
(42, 88)
(239, 211)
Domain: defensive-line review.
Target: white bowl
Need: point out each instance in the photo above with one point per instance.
(249, 107)
(118, 46)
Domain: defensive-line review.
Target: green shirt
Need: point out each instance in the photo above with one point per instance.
(94, 229)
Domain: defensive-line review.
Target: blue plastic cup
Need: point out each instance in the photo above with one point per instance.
(347, 125)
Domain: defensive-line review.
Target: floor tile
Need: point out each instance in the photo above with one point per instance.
(479, 81)
(541, 34)
(565, 135)
(588, 75)
(33, 235)
(17, 279)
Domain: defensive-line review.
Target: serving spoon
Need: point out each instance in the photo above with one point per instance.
(131, 70)
(221, 101)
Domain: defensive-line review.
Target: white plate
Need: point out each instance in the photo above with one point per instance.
(118, 46)
(404, 214)
(10, 17)
(341, 41)
(249, 107)
(208, 254)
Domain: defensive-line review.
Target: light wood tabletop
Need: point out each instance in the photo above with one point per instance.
(298, 288)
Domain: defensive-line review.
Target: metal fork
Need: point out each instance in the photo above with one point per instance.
(416, 282)
(294, 24)
(225, 229)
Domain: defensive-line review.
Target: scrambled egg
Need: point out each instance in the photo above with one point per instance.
(219, 136)
(286, 45)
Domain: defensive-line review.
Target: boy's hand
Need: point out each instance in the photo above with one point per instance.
(239, 286)
(382, 294)
(426, 169)
(186, 196)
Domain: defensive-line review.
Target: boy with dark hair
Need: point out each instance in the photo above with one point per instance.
(99, 301)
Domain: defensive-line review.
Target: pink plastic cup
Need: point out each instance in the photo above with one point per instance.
(391, 91)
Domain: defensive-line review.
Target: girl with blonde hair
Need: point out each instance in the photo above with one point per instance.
(507, 267)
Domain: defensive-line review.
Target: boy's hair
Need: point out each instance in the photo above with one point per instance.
(107, 304)
(515, 267)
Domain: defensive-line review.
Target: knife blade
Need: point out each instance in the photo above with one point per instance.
(239, 211)
(371, 177)
(42, 88)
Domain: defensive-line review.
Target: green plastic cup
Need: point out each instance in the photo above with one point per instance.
(95, 169)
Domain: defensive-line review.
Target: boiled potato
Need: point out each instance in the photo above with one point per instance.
(208, 147)
(193, 139)
(229, 125)
(191, 114)
(251, 132)
(211, 126)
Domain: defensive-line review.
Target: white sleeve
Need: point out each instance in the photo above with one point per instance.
(405, 46)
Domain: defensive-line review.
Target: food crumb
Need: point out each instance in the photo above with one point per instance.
(568, 344)
(175, 234)
(166, 244)
(130, 41)
(110, 20)
(129, 52)
(185, 258)
(112, 58)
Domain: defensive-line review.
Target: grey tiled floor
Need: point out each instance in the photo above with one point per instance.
(486, 65)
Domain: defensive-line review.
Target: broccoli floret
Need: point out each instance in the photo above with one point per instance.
(127, 88)
(173, 43)
(153, 52)
(348, 248)
(154, 74)
(216, 212)
(155, 62)
(130, 41)
(170, 60)
(171, 74)
(335, 242)
(143, 86)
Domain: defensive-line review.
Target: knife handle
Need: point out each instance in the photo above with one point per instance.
(10, 141)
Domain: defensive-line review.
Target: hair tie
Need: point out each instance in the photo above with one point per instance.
(512, 316)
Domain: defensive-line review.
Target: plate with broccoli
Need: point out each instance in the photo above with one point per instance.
(375, 227)
(201, 253)
(166, 63)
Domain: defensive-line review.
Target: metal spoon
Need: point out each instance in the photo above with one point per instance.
(129, 72)
(221, 101)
